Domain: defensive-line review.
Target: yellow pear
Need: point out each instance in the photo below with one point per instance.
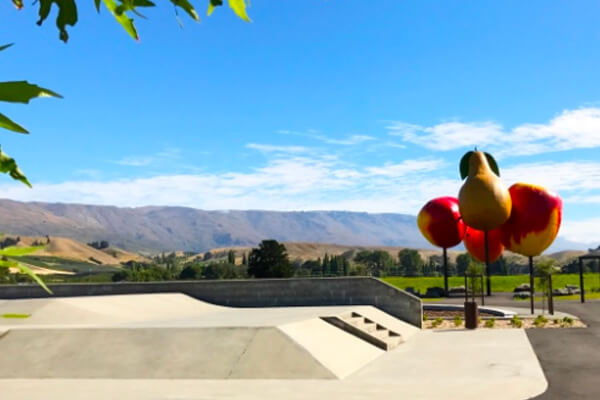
(483, 200)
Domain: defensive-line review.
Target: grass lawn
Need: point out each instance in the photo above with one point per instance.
(16, 315)
(500, 283)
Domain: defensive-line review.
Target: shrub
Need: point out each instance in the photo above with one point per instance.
(540, 321)
(556, 321)
(567, 321)
(425, 318)
(516, 322)
(490, 322)
(438, 321)
(458, 320)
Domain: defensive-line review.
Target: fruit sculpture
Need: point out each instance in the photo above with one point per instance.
(484, 201)
(533, 224)
(440, 222)
(489, 217)
(534, 221)
(475, 243)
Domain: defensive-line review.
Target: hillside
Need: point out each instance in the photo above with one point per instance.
(159, 229)
(70, 249)
(155, 229)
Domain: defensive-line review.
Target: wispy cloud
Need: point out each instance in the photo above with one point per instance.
(168, 154)
(572, 129)
(135, 161)
(349, 140)
(268, 148)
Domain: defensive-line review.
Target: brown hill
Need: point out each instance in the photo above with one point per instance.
(73, 250)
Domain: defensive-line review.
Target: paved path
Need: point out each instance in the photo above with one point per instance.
(570, 358)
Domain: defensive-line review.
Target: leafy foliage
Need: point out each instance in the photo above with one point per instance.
(7, 262)
(122, 11)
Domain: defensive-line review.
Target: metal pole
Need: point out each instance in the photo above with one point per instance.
(466, 289)
(446, 273)
(581, 280)
(550, 298)
(482, 297)
(531, 283)
(487, 263)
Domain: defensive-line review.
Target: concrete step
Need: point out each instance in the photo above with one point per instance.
(366, 329)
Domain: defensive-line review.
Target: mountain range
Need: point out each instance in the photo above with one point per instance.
(161, 228)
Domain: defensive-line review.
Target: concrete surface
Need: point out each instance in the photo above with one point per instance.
(156, 353)
(570, 358)
(312, 292)
(124, 338)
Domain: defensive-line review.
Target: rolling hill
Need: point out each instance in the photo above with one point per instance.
(157, 229)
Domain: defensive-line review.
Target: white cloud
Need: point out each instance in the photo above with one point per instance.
(573, 176)
(135, 161)
(168, 154)
(268, 148)
(572, 129)
(350, 140)
(581, 231)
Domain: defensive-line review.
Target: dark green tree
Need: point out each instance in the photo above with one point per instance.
(411, 262)
(244, 259)
(377, 262)
(462, 263)
(326, 265)
(269, 260)
(231, 257)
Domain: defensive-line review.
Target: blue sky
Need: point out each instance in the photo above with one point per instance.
(346, 105)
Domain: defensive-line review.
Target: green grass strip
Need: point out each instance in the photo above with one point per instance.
(16, 315)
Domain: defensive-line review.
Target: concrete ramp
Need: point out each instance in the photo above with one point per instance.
(158, 353)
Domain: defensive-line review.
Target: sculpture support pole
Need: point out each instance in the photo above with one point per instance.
(581, 294)
(531, 283)
(446, 273)
(487, 263)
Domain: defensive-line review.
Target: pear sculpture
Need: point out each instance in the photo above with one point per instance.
(484, 201)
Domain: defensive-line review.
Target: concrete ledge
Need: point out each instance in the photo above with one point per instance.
(253, 293)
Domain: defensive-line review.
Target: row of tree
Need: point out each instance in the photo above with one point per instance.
(271, 260)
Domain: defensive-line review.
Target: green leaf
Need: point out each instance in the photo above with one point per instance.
(123, 19)
(6, 46)
(130, 5)
(7, 123)
(67, 15)
(212, 4)
(9, 165)
(464, 165)
(187, 7)
(97, 4)
(25, 270)
(22, 92)
(14, 251)
(18, 4)
(493, 164)
(239, 7)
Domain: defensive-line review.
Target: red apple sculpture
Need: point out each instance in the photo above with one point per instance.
(533, 224)
(534, 221)
(475, 243)
(440, 222)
